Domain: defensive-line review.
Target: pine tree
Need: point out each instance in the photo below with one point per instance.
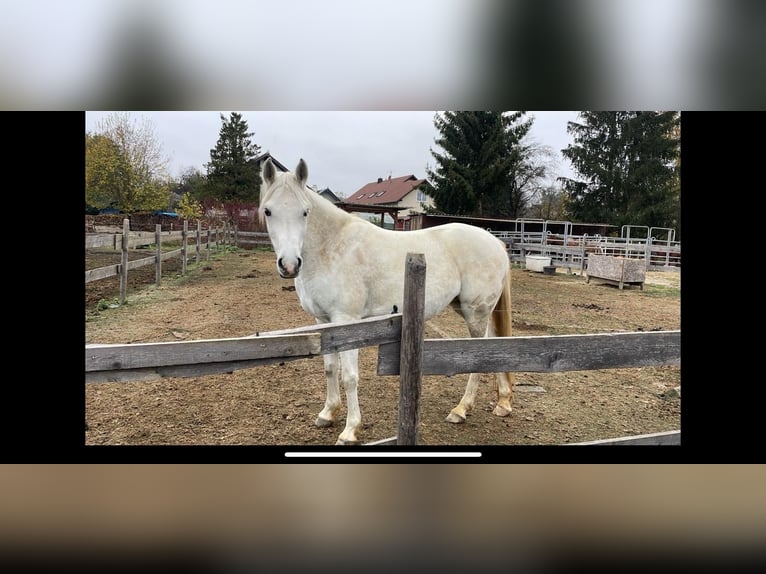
(476, 174)
(627, 163)
(231, 173)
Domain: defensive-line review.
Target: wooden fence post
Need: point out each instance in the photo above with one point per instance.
(158, 250)
(124, 260)
(411, 354)
(207, 244)
(184, 235)
(199, 238)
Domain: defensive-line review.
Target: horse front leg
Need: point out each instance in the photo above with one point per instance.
(327, 416)
(349, 361)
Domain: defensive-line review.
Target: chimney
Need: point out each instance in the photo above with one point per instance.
(380, 180)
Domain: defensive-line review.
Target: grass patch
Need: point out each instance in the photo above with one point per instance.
(654, 290)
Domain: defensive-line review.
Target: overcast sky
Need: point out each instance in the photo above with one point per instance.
(343, 150)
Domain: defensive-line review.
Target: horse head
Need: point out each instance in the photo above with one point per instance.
(284, 206)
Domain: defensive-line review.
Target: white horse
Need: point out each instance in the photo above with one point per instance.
(346, 269)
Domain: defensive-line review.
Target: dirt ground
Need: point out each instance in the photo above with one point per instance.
(238, 292)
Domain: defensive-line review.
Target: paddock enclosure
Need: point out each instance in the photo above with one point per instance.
(235, 294)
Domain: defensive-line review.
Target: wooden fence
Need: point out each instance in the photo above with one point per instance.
(202, 240)
(401, 351)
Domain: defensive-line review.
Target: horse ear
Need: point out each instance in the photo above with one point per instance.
(268, 171)
(302, 172)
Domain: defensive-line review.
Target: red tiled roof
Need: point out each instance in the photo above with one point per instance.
(389, 190)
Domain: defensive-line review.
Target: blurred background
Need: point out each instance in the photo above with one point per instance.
(372, 517)
(392, 54)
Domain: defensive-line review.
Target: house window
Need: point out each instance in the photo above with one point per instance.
(380, 193)
(423, 196)
(360, 196)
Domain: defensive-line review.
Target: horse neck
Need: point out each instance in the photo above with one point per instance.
(324, 225)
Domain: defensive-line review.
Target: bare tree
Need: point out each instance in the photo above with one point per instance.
(146, 182)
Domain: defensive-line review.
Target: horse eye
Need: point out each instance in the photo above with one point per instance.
(267, 212)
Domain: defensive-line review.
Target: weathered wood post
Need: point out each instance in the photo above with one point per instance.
(158, 253)
(184, 239)
(124, 260)
(207, 244)
(199, 238)
(411, 355)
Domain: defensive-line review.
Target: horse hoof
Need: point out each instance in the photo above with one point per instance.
(342, 442)
(323, 423)
(501, 411)
(455, 418)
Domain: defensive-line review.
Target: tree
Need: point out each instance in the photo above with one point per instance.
(193, 183)
(124, 165)
(529, 169)
(189, 208)
(551, 204)
(231, 173)
(628, 167)
(106, 169)
(477, 173)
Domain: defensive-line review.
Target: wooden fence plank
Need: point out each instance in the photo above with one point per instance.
(343, 336)
(102, 272)
(331, 337)
(658, 438)
(150, 355)
(541, 354)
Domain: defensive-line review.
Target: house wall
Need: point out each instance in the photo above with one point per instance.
(410, 202)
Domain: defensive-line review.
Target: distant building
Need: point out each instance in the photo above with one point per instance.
(264, 156)
(407, 193)
(329, 195)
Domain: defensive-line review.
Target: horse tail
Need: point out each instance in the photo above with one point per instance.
(502, 323)
(501, 315)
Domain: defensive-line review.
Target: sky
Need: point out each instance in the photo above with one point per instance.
(344, 150)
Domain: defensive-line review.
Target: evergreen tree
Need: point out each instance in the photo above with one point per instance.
(231, 173)
(476, 174)
(627, 163)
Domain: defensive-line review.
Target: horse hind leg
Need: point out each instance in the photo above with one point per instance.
(478, 323)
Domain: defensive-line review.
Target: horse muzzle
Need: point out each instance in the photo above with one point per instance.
(289, 268)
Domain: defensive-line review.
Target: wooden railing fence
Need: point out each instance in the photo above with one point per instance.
(401, 351)
(201, 240)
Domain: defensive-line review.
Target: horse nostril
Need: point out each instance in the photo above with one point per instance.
(300, 263)
(280, 264)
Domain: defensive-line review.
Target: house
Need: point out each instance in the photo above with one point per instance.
(264, 156)
(407, 193)
(326, 192)
(328, 195)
